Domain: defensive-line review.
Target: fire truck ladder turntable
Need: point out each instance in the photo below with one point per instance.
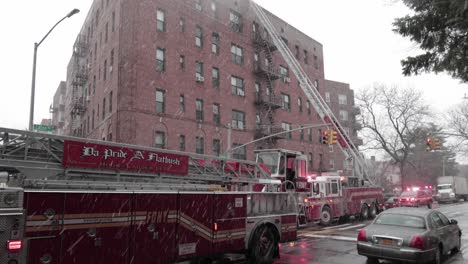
(34, 160)
(326, 115)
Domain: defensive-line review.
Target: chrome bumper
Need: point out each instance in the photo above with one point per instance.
(395, 253)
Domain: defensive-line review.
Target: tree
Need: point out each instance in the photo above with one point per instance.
(457, 126)
(440, 27)
(425, 166)
(391, 119)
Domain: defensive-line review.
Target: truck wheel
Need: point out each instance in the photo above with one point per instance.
(326, 216)
(263, 245)
(364, 212)
(372, 211)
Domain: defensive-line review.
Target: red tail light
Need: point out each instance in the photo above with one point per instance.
(362, 235)
(14, 245)
(417, 242)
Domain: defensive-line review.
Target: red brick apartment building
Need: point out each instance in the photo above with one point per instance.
(197, 76)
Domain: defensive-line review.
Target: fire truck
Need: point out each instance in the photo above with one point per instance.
(320, 198)
(71, 200)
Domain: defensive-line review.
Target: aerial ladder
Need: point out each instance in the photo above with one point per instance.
(325, 113)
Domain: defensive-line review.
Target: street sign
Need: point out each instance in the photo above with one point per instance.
(44, 128)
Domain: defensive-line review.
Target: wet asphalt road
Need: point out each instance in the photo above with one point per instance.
(337, 244)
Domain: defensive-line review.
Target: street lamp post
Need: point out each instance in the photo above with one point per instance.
(33, 85)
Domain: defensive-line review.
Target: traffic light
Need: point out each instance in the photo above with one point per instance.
(325, 137)
(333, 137)
(436, 144)
(428, 144)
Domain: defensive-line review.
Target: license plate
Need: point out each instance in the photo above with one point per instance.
(386, 242)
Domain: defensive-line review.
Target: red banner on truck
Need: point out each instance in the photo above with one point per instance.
(97, 156)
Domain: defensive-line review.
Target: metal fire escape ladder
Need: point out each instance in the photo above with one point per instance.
(35, 160)
(325, 113)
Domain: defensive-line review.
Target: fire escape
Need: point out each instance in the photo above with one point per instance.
(79, 79)
(266, 101)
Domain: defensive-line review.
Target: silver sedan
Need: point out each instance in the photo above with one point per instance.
(409, 234)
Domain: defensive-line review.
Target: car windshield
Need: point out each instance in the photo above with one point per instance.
(408, 194)
(401, 220)
(444, 187)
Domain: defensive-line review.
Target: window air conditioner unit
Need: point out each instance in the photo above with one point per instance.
(200, 78)
(286, 79)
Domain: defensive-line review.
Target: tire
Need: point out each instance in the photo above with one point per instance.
(429, 205)
(437, 257)
(263, 245)
(326, 216)
(371, 260)
(458, 246)
(364, 212)
(372, 211)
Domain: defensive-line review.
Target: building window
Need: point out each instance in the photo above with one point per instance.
(215, 77)
(160, 60)
(199, 145)
(105, 70)
(199, 110)
(235, 21)
(286, 102)
(327, 97)
(182, 103)
(199, 71)
(198, 37)
(342, 99)
(316, 62)
(216, 114)
(308, 107)
(182, 24)
(237, 54)
(198, 5)
(92, 120)
(302, 133)
(238, 119)
(216, 147)
(103, 108)
(320, 136)
(297, 52)
(213, 6)
(316, 83)
(332, 164)
(160, 105)
(299, 104)
(343, 115)
(113, 21)
(237, 86)
(284, 72)
(106, 34)
(240, 152)
(160, 140)
(110, 102)
(182, 143)
(160, 20)
(306, 58)
(97, 112)
(258, 121)
(330, 148)
(182, 62)
(309, 134)
(311, 161)
(287, 127)
(215, 43)
(111, 60)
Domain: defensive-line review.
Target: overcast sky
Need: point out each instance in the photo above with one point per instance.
(359, 49)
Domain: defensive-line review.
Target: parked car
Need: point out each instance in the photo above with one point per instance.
(390, 202)
(409, 234)
(416, 198)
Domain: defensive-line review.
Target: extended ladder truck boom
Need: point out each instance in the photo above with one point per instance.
(326, 115)
(73, 200)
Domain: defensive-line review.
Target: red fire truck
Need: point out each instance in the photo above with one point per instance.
(321, 199)
(70, 200)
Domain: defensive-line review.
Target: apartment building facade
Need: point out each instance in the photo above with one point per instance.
(192, 75)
